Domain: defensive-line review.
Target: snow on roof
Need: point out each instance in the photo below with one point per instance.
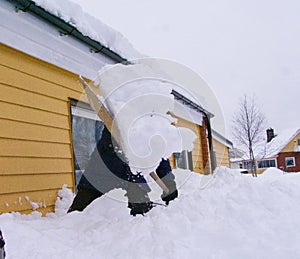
(264, 150)
(281, 140)
(90, 26)
(235, 160)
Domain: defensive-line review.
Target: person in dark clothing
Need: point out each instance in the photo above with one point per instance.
(107, 169)
(2, 243)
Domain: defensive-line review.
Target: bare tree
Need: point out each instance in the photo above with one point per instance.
(248, 124)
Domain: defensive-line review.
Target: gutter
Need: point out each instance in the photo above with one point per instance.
(213, 160)
(65, 28)
(191, 104)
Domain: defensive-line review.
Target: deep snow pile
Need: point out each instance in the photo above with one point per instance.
(229, 215)
(140, 102)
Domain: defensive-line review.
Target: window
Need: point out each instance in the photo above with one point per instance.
(290, 162)
(248, 164)
(298, 141)
(184, 160)
(267, 163)
(86, 132)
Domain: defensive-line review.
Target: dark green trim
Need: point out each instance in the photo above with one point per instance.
(80, 104)
(65, 28)
(213, 160)
(191, 104)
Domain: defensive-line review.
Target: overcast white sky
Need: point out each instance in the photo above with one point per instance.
(238, 47)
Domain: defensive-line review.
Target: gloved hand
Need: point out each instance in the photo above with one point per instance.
(169, 181)
(140, 208)
(137, 193)
(169, 197)
(164, 172)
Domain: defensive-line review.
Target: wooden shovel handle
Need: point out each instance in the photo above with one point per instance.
(159, 182)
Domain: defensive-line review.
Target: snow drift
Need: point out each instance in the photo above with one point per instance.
(229, 215)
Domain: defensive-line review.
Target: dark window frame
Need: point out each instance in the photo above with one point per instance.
(78, 160)
(291, 159)
(266, 163)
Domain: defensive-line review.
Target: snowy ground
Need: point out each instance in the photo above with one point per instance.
(233, 216)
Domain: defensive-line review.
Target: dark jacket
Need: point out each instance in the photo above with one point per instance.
(163, 168)
(106, 168)
(2, 243)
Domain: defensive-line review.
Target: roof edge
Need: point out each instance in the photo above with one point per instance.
(289, 140)
(191, 104)
(65, 28)
(227, 142)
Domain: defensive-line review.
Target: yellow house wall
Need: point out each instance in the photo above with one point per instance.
(172, 161)
(292, 144)
(222, 153)
(197, 150)
(35, 132)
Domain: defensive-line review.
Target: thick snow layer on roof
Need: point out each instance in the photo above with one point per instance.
(271, 149)
(235, 216)
(89, 26)
(140, 107)
(280, 141)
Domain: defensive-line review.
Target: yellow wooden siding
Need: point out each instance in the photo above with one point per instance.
(290, 147)
(24, 165)
(34, 182)
(10, 94)
(21, 201)
(37, 85)
(35, 131)
(28, 131)
(222, 153)
(32, 66)
(172, 161)
(44, 211)
(24, 148)
(32, 115)
(197, 150)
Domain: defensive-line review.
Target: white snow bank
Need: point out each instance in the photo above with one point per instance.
(273, 171)
(140, 107)
(89, 26)
(229, 215)
(64, 201)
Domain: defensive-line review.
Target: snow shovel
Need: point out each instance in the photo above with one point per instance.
(108, 121)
